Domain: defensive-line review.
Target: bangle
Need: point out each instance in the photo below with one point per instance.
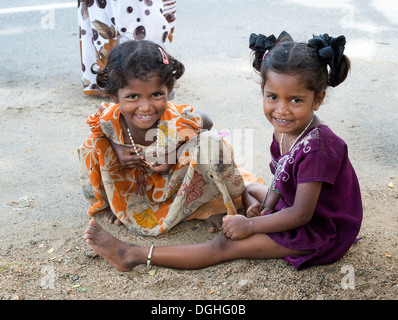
(148, 262)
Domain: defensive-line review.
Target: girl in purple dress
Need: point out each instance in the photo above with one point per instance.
(312, 211)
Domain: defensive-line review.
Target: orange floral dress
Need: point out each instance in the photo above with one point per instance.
(203, 182)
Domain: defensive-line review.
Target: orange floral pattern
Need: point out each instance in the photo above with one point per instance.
(195, 189)
(146, 219)
(149, 203)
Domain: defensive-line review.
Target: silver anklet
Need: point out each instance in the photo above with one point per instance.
(148, 262)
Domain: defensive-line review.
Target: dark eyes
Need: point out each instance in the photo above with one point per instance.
(296, 100)
(274, 98)
(154, 95)
(132, 96)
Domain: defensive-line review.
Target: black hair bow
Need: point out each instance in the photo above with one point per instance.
(330, 49)
(261, 43)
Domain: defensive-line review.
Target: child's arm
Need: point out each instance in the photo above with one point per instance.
(128, 159)
(253, 199)
(126, 155)
(306, 198)
(165, 168)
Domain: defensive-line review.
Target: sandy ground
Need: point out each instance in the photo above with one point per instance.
(43, 213)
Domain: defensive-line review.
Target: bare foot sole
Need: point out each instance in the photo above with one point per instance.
(110, 217)
(213, 223)
(120, 254)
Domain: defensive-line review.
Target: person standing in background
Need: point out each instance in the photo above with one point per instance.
(105, 23)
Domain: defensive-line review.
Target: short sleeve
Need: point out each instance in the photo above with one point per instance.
(319, 165)
(105, 123)
(94, 120)
(186, 123)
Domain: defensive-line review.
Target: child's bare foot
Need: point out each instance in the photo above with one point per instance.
(213, 223)
(123, 256)
(111, 218)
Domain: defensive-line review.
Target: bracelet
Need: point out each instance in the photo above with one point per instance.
(148, 262)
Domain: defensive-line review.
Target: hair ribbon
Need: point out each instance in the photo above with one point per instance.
(264, 44)
(330, 49)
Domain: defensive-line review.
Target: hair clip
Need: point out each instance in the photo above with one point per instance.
(164, 56)
(265, 53)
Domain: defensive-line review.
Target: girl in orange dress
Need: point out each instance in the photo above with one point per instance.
(154, 163)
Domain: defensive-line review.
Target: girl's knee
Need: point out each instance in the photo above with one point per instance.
(255, 187)
(256, 190)
(221, 243)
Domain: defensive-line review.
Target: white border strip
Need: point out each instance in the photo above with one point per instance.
(50, 6)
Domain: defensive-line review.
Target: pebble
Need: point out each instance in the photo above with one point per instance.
(242, 283)
(243, 286)
(370, 294)
(75, 277)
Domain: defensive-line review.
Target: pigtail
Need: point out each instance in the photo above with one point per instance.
(101, 77)
(262, 45)
(178, 69)
(257, 60)
(340, 72)
(331, 51)
(257, 43)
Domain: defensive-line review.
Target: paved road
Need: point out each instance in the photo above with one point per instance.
(44, 109)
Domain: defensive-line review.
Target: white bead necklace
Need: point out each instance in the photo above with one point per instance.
(295, 140)
(135, 148)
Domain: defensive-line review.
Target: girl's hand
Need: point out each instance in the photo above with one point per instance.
(255, 210)
(236, 227)
(161, 168)
(127, 156)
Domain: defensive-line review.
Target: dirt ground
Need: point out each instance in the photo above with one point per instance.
(43, 255)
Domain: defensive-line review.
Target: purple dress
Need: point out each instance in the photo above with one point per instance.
(319, 155)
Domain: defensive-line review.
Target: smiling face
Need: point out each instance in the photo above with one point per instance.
(142, 103)
(288, 105)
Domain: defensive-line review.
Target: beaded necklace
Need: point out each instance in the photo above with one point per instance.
(134, 146)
